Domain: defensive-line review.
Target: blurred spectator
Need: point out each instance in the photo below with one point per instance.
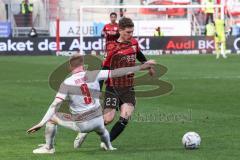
(220, 38)
(33, 32)
(235, 30)
(209, 11)
(3, 16)
(122, 11)
(26, 11)
(158, 32)
(210, 29)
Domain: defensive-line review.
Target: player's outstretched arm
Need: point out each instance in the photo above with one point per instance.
(141, 58)
(51, 111)
(34, 129)
(128, 70)
(105, 74)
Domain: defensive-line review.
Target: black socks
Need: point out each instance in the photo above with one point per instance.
(118, 128)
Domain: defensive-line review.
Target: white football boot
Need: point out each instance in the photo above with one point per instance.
(79, 140)
(103, 146)
(44, 150)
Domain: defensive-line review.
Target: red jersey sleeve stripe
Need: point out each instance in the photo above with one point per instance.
(109, 72)
(60, 98)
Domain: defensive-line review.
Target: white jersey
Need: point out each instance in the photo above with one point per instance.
(82, 90)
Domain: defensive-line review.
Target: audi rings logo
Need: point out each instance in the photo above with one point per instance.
(236, 44)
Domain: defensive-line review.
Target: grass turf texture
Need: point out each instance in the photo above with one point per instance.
(206, 98)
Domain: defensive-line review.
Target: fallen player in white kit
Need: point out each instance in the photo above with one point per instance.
(82, 90)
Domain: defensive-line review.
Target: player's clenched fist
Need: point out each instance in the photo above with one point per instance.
(34, 128)
(148, 65)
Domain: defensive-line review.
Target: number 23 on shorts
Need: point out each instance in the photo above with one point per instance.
(111, 102)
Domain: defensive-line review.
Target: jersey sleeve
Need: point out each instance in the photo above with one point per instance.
(103, 74)
(140, 56)
(138, 47)
(104, 29)
(110, 48)
(62, 92)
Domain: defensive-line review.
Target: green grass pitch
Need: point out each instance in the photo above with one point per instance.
(205, 99)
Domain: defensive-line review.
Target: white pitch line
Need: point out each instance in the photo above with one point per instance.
(207, 77)
(24, 81)
(178, 78)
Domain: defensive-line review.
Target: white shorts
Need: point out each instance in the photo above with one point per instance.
(96, 124)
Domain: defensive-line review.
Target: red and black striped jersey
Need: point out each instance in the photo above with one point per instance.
(121, 54)
(111, 32)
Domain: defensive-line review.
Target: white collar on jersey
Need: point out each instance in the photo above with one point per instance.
(78, 69)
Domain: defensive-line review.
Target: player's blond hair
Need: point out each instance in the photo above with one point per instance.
(76, 61)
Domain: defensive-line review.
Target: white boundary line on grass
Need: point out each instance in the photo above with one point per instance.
(179, 78)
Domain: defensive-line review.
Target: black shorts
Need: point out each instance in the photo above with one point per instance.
(115, 97)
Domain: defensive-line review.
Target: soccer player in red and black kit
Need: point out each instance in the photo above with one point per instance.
(111, 33)
(110, 30)
(120, 91)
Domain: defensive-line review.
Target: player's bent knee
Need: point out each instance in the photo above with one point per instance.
(108, 119)
(127, 107)
(108, 116)
(126, 110)
(53, 120)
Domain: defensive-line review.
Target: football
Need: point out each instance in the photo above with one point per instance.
(191, 140)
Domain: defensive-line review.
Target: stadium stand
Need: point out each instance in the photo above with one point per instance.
(47, 10)
(3, 16)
